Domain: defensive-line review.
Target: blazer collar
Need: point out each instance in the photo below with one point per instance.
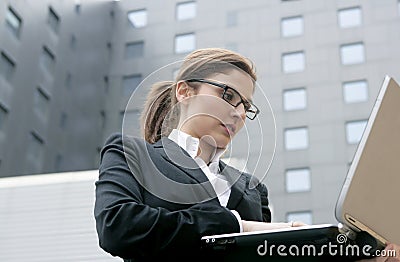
(238, 184)
(174, 154)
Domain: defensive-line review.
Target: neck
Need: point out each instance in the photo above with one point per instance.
(207, 146)
(207, 150)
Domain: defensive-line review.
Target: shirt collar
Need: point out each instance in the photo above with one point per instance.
(191, 144)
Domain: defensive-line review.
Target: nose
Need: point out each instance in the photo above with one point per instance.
(239, 112)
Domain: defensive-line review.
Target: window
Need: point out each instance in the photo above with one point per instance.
(138, 18)
(296, 138)
(7, 67)
(41, 103)
(78, 6)
(58, 162)
(352, 54)
(131, 120)
(134, 50)
(106, 84)
(398, 7)
(185, 11)
(68, 80)
(129, 84)
(13, 22)
(72, 42)
(294, 99)
(231, 18)
(3, 117)
(47, 60)
(293, 62)
(349, 17)
(109, 50)
(185, 43)
(35, 152)
(303, 216)
(63, 120)
(298, 180)
(355, 91)
(53, 20)
(354, 131)
(292, 26)
(102, 120)
(232, 46)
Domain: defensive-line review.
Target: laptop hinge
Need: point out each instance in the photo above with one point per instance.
(349, 232)
(361, 227)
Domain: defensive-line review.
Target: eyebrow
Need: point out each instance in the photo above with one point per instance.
(243, 97)
(234, 88)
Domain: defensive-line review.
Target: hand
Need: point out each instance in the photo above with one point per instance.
(249, 226)
(387, 258)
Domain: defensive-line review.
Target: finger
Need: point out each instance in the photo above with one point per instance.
(298, 224)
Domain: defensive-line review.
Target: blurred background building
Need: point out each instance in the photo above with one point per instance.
(68, 68)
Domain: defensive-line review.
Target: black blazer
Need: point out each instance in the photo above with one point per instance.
(134, 223)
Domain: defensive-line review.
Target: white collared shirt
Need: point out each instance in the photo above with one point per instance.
(220, 184)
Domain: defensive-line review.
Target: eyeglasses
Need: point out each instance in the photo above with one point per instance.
(231, 96)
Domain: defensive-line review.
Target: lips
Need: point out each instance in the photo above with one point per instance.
(230, 129)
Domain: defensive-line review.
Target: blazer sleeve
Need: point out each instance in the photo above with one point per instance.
(129, 228)
(266, 212)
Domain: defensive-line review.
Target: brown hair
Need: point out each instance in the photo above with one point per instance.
(201, 63)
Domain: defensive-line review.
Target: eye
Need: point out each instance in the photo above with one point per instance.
(229, 95)
(247, 106)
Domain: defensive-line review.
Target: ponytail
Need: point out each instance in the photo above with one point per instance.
(159, 116)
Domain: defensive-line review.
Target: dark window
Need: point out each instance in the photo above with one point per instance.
(53, 20)
(41, 103)
(63, 120)
(134, 50)
(106, 84)
(78, 8)
(102, 120)
(7, 67)
(3, 117)
(129, 84)
(48, 60)
(13, 22)
(35, 153)
(72, 42)
(68, 80)
(109, 50)
(58, 162)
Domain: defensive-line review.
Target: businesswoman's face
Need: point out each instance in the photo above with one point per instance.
(214, 108)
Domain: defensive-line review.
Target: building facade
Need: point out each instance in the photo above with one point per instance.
(319, 63)
(54, 65)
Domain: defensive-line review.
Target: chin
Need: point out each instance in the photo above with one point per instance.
(223, 143)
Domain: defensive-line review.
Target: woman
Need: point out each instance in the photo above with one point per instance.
(156, 197)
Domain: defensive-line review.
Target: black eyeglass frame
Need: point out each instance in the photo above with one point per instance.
(247, 105)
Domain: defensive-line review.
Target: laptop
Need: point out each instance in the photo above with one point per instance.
(367, 209)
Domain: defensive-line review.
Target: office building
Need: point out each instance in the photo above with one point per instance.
(68, 70)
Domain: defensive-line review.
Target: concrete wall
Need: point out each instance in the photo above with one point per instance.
(49, 218)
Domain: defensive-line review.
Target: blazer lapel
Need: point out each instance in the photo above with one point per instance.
(237, 182)
(175, 155)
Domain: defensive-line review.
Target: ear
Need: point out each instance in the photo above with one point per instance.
(183, 91)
